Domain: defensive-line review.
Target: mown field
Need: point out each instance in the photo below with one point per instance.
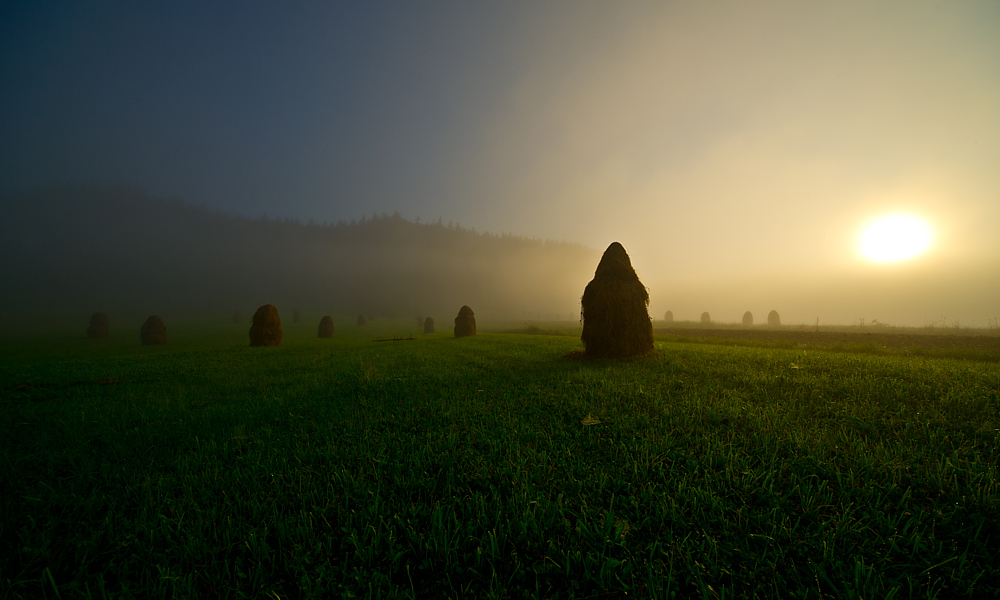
(462, 468)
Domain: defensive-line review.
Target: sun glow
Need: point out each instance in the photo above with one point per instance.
(895, 237)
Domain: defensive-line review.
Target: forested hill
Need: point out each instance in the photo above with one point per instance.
(75, 250)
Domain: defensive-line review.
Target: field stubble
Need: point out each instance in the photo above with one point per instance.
(446, 467)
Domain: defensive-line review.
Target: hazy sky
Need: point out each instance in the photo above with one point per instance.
(736, 149)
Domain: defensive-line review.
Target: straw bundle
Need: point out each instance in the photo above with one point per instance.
(706, 318)
(153, 332)
(326, 327)
(237, 317)
(362, 320)
(747, 319)
(266, 328)
(773, 319)
(428, 325)
(616, 322)
(99, 325)
(669, 317)
(297, 316)
(465, 322)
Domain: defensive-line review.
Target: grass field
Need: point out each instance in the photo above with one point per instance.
(461, 468)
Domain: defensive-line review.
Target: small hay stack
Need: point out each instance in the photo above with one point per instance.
(669, 317)
(773, 320)
(428, 325)
(706, 319)
(362, 320)
(326, 327)
(153, 332)
(266, 328)
(237, 317)
(420, 321)
(99, 326)
(748, 319)
(297, 316)
(614, 311)
(465, 322)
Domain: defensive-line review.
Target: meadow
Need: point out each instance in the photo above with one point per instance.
(492, 467)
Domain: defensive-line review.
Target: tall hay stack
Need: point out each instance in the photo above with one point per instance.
(465, 322)
(153, 332)
(614, 311)
(706, 319)
(266, 327)
(428, 325)
(669, 317)
(773, 320)
(99, 326)
(326, 327)
(362, 320)
(748, 319)
(297, 316)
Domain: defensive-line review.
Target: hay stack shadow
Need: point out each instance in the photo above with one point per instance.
(266, 327)
(614, 311)
(99, 326)
(465, 322)
(153, 332)
(326, 327)
(428, 325)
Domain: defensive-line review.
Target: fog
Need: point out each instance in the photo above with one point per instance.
(735, 149)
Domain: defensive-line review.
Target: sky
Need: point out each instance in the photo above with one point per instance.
(736, 149)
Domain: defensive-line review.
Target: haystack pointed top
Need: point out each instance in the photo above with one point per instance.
(615, 264)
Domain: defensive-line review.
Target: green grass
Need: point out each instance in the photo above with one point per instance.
(459, 468)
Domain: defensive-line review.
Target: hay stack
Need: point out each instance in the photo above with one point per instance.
(614, 309)
(706, 319)
(748, 319)
(773, 320)
(297, 316)
(266, 328)
(326, 327)
(153, 332)
(99, 325)
(669, 317)
(465, 322)
(362, 320)
(420, 322)
(237, 317)
(428, 325)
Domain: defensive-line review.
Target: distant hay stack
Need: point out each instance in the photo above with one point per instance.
(297, 316)
(428, 325)
(420, 321)
(326, 327)
(706, 319)
(237, 317)
(773, 320)
(153, 332)
(99, 326)
(614, 311)
(669, 317)
(362, 320)
(465, 322)
(266, 327)
(748, 319)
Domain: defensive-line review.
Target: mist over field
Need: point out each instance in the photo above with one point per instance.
(740, 152)
(70, 251)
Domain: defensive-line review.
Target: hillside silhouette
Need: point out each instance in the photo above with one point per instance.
(71, 250)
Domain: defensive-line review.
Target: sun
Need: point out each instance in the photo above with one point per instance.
(894, 238)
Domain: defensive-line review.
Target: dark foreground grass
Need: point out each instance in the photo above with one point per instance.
(446, 467)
